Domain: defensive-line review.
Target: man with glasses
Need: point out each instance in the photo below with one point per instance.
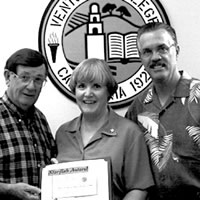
(168, 112)
(26, 142)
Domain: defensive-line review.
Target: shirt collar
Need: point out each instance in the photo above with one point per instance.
(11, 106)
(182, 88)
(107, 129)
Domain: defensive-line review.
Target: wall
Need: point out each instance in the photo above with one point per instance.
(20, 22)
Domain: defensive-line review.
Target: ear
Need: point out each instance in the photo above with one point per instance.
(177, 50)
(7, 77)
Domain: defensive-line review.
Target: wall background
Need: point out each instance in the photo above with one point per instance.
(20, 22)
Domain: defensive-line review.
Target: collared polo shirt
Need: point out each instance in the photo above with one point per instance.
(119, 139)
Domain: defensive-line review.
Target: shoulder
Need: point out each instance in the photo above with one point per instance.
(138, 103)
(38, 112)
(124, 121)
(125, 126)
(194, 89)
(40, 115)
(128, 133)
(194, 97)
(186, 79)
(4, 112)
(69, 126)
(1, 104)
(194, 82)
(144, 96)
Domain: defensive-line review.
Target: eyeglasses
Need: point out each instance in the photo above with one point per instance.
(161, 50)
(25, 78)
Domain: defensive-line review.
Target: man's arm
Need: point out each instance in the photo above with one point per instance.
(22, 191)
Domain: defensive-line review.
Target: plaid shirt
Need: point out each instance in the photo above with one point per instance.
(26, 144)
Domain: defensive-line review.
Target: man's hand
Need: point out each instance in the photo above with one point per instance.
(54, 161)
(24, 191)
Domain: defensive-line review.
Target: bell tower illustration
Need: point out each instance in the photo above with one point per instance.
(95, 38)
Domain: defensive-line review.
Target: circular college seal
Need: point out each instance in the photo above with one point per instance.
(73, 30)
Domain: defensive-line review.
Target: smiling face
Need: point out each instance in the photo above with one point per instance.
(158, 54)
(91, 98)
(22, 94)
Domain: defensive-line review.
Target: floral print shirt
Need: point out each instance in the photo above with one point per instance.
(172, 133)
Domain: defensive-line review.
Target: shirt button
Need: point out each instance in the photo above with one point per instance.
(175, 158)
(39, 165)
(112, 130)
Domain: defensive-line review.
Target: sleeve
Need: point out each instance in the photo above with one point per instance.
(137, 170)
(49, 141)
(132, 112)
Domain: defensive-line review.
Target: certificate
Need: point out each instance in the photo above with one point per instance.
(80, 180)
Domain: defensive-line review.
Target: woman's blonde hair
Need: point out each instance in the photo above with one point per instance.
(94, 69)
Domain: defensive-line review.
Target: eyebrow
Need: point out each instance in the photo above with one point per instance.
(160, 45)
(28, 73)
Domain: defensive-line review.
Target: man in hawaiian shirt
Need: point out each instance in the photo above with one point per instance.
(169, 113)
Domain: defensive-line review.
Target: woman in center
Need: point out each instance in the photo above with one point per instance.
(100, 132)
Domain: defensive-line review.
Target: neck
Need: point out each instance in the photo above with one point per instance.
(91, 124)
(24, 108)
(166, 88)
(94, 120)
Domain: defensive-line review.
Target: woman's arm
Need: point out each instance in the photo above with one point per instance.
(136, 195)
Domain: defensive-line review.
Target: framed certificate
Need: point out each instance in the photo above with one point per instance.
(80, 180)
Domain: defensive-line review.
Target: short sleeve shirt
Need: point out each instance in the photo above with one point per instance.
(119, 139)
(172, 134)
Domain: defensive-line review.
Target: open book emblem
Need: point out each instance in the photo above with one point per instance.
(71, 31)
